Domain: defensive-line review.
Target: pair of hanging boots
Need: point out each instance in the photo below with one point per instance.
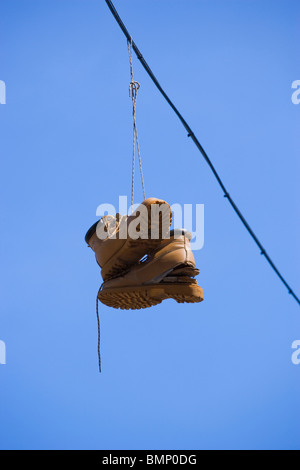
(143, 262)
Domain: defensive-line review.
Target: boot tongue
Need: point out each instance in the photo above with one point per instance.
(107, 227)
(113, 224)
(109, 224)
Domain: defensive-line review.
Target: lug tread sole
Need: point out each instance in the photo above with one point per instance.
(135, 298)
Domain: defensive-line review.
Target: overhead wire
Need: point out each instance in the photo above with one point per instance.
(200, 148)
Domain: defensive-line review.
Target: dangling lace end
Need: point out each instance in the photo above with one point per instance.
(98, 322)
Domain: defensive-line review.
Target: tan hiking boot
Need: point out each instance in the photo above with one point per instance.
(167, 273)
(120, 242)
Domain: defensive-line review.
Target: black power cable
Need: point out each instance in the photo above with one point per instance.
(199, 146)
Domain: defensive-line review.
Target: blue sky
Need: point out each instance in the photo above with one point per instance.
(217, 375)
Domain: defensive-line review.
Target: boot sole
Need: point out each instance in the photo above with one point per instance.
(134, 250)
(134, 298)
